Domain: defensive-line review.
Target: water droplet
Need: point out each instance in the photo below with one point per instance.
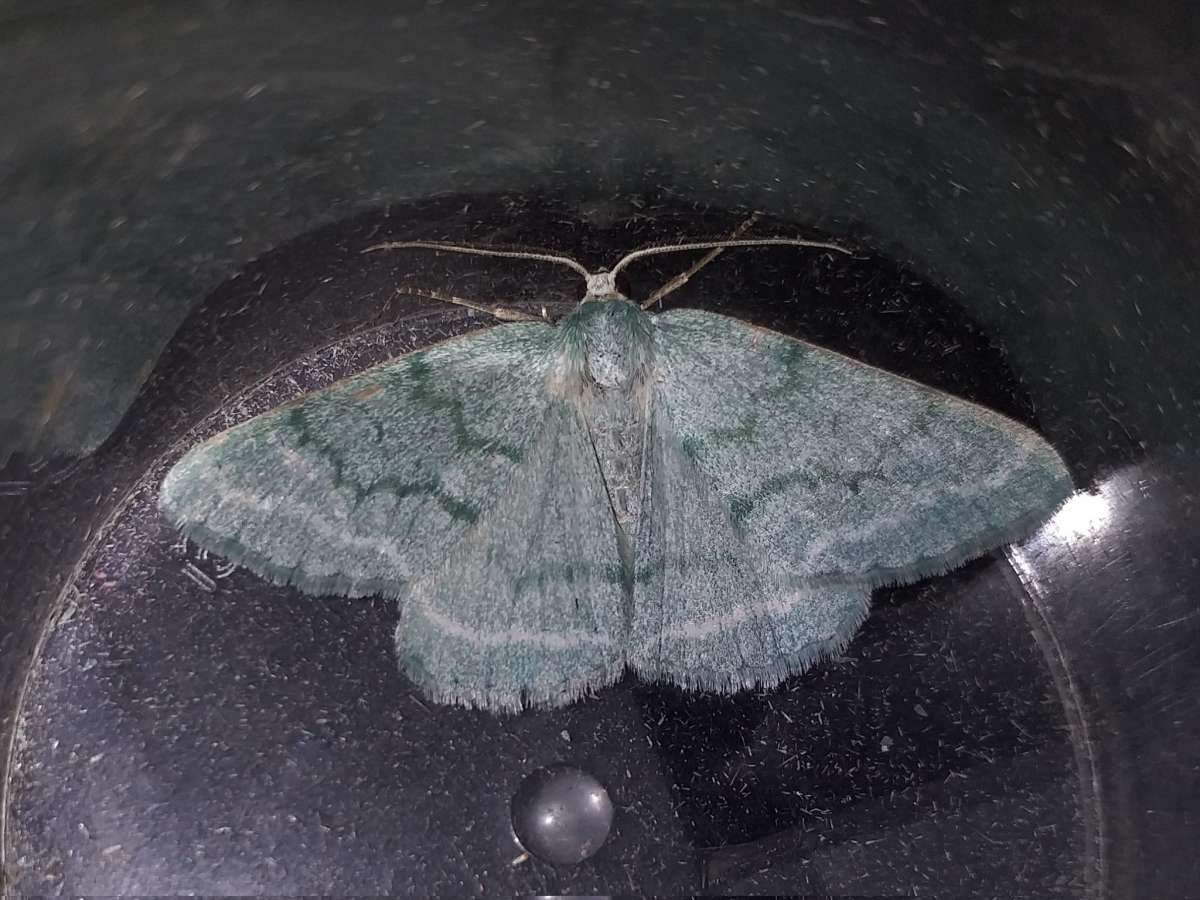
(561, 814)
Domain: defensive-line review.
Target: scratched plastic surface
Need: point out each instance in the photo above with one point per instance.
(1020, 726)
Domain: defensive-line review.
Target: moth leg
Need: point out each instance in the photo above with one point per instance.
(504, 314)
(684, 277)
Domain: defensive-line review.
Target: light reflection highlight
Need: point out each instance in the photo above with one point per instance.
(1084, 515)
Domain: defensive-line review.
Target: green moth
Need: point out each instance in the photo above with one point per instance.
(681, 494)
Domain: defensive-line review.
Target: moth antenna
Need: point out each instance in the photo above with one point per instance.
(480, 251)
(684, 277)
(500, 312)
(712, 245)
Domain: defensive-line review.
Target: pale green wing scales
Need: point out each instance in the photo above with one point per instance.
(710, 610)
(531, 607)
(359, 488)
(450, 478)
(780, 482)
(838, 472)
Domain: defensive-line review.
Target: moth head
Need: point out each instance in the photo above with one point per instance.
(602, 286)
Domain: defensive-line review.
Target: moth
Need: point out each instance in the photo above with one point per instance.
(679, 493)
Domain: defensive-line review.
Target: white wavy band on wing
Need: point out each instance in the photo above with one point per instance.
(727, 619)
(551, 640)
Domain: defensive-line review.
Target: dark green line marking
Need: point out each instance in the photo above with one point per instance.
(741, 433)
(459, 510)
(422, 390)
(570, 573)
(813, 476)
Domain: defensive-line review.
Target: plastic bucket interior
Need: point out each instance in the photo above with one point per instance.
(184, 193)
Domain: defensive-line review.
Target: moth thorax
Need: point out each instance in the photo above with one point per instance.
(616, 356)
